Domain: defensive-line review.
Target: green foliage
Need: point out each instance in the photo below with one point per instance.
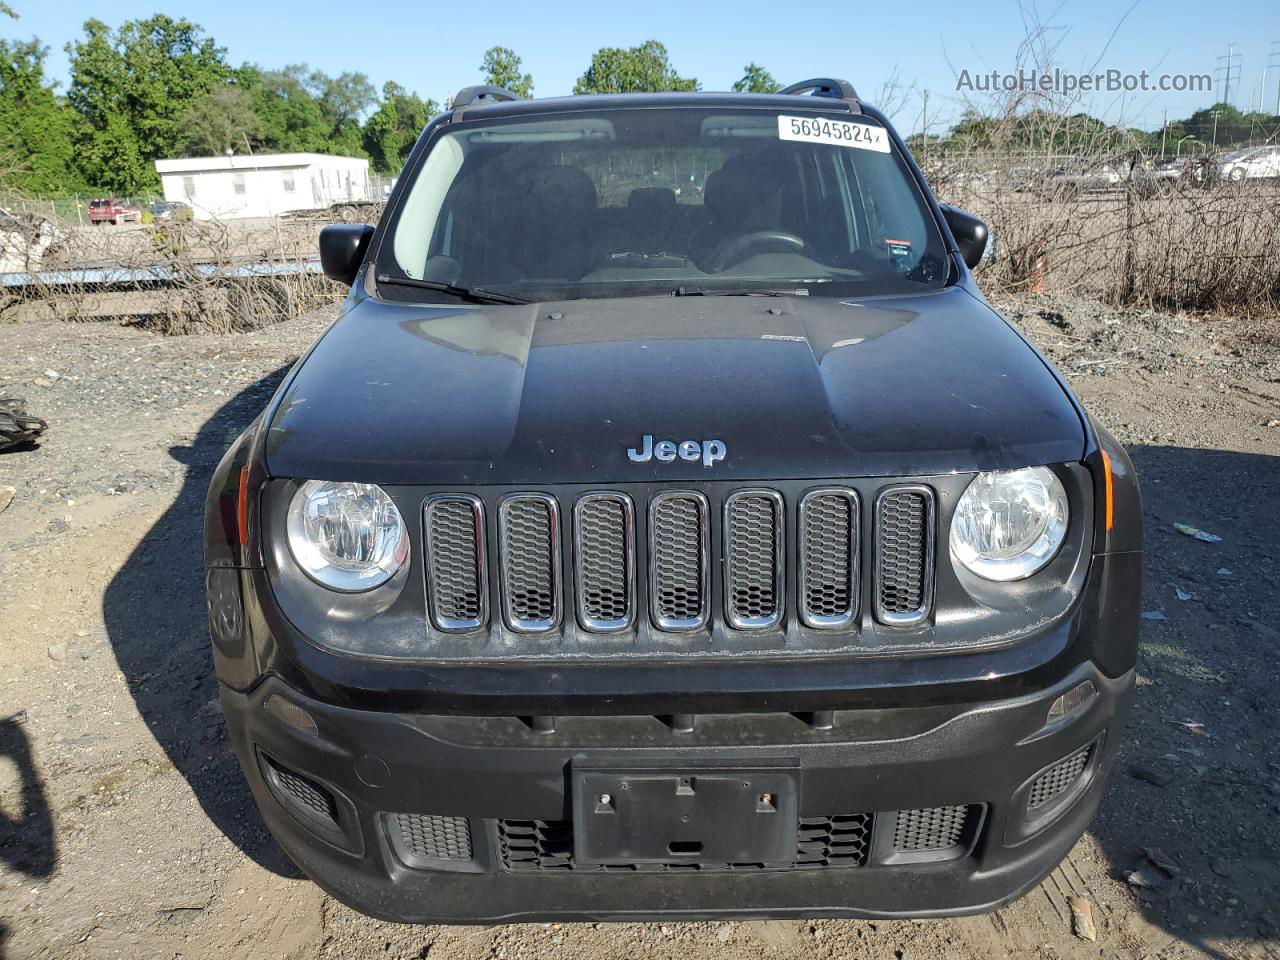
(501, 67)
(133, 87)
(35, 126)
(392, 129)
(221, 121)
(756, 79)
(291, 118)
(642, 69)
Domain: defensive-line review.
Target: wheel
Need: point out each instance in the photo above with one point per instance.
(1236, 174)
(115, 221)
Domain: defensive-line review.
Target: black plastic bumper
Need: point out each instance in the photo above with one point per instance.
(983, 756)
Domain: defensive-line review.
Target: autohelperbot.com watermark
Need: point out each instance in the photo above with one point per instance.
(1061, 81)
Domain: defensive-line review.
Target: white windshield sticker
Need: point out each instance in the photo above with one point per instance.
(864, 136)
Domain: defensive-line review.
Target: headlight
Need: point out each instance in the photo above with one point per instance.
(1009, 523)
(346, 536)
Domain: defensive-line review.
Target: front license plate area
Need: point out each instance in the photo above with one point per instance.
(712, 817)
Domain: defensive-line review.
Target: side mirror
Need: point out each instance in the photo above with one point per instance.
(970, 233)
(342, 250)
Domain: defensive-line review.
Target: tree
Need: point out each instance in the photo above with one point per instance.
(290, 118)
(756, 79)
(133, 87)
(222, 121)
(391, 130)
(36, 127)
(501, 67)
(343, 99)
(642, 69)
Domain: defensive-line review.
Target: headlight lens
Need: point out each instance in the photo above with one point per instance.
(346, 536)
(1009, 523)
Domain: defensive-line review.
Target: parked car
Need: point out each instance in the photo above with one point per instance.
(167, 210)
(113, 211)
(723, 556)
(1251, 163)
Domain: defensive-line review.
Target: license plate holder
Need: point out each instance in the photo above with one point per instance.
(672, 816)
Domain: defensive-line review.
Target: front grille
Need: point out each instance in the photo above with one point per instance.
(530, 531)
(904, 555)
(753, 559)
(308, 796)
(456, 590)
(1058, 778)
(678, 582)
(829, 558)
(934, 828)
(536, 844)
(427, 837)
(628, 558)
(604, 545)
(834, 841)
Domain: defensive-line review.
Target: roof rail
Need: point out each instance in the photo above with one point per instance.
(471, 95)
(823, 87)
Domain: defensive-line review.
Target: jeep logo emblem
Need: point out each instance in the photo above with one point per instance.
(710, 452)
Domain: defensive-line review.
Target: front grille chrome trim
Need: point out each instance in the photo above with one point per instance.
(434, 550)
(552, 559)
(737, 620)
(913, 617)
(681, 624)
(596, 624)
(849, 615)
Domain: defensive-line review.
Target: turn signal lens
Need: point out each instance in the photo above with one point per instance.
(290, 713)
(1077, 698)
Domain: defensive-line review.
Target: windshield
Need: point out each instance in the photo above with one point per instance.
(661, 200)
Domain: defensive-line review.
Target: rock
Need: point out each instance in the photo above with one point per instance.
(6, 497)
(42, 382)
(724, 933)
(1082, 924)
(1145, 876)
(1153, 615)
(59, 526)
(1160, 778)
(1162, 860)
(58, 651)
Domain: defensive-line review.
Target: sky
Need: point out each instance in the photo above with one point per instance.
(434, 49)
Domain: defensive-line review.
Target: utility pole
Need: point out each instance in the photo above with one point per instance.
(1227, 71)
(1164, 132)
(1273, 60)
(924, 125)
(1215, 129)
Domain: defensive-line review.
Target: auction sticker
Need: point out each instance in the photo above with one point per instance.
(864, 136)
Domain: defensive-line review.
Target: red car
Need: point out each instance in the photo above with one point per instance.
(113, 211)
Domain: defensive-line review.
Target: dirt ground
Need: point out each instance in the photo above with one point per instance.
(127, 831)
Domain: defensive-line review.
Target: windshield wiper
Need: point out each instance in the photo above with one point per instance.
(740, 292)
(469, 294)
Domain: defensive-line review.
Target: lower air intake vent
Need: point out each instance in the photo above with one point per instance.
(425, 837)
(753, 559)
(536, 844)
(834, 841)
(530, 527)
(931, 829)
(904, 555)
(678, 561)
(303, 793)
(1058, 778)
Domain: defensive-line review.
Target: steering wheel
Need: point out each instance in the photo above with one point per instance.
(737, 249)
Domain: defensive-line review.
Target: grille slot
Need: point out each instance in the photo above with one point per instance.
(536, 844)
(457, 591)
(754, 585)
(834, 841)
(530, 530)
(829, 558)
(1059, 778)
(604, 559)
(308, 796)
(426, 837)
(930, 829)
(904, 555)
(678, 587)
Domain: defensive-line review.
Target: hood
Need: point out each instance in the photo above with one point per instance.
(791, 387)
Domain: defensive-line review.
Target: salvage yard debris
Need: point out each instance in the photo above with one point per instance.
(17, 426)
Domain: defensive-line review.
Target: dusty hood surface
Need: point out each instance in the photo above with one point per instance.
(791, 386)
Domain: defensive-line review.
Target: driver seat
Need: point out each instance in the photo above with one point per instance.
(743, 196)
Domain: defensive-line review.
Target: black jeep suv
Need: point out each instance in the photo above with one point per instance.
(667, 527)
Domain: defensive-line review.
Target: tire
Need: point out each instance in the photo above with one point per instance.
(1236, 174)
